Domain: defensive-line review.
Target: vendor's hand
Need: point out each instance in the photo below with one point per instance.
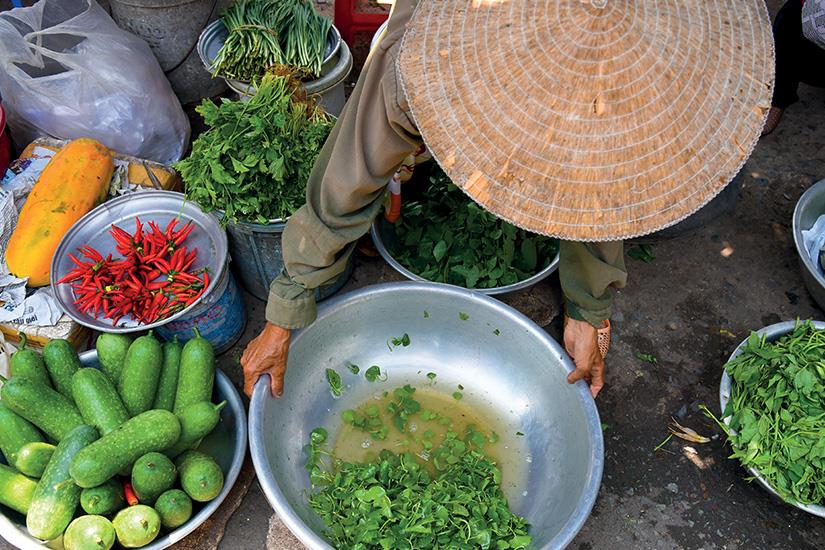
(266, 354)
(581, 340)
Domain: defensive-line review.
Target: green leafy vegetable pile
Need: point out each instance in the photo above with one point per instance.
(445, 237)
(395, 503)
(254, 161)
(263, 33)
(777, 412)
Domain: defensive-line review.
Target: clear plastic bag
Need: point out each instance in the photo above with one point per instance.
(68, 71)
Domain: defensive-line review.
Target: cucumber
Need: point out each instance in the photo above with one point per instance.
(136, 526)
(97, 400)
(196, 422)
(197, 373)
(174, 508)
(16, 490)
(200, 476)
(32, 458)
(168, 384)
(56, 496)
(89, 533)
(15, 432)
(111, 352)
(61, 362)
(150, 431)
(53, 413)
(152, 475)
(28, 363)
(103, 500)
(141, 370)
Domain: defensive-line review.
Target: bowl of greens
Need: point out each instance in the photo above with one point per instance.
(417, 415)
(772, 397)
(445, 237)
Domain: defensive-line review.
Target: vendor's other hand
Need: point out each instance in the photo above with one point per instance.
(266, 354)
(581, 340)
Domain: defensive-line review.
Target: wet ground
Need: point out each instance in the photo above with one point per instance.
(688, 308)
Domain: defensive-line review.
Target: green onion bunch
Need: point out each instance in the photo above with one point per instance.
(263, 33)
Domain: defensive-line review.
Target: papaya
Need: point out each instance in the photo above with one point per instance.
(74, 181)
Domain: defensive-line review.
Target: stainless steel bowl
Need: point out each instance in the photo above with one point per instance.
(519, 374)
(772, 332)
(226, 444)
(159, 206)
(378, 239)
(810, 206)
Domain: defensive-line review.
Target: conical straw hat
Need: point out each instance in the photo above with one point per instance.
(589, 119)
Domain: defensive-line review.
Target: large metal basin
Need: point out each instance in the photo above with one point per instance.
(519, 374)
(226, 444)
(810, 206)
(773, 332)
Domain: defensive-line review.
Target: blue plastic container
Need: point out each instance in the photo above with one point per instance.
(221, 320)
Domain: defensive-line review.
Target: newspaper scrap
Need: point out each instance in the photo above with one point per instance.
(39, 309)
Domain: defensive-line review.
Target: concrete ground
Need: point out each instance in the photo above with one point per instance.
(689, 308)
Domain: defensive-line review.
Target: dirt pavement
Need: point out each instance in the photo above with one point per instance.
(689, 308)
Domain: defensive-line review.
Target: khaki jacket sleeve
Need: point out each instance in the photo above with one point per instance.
(588, 274)
(371, 139)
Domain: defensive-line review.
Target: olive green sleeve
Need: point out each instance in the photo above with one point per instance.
(371, 139)
(588, 274)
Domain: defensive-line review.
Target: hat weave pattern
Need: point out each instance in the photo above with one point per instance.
(589, 119)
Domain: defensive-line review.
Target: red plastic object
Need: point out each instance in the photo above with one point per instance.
(5, 144)
(348, 21)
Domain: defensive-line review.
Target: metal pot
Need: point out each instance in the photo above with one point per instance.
(772, 332)
(378, 239)
(810, 206)
(507, 364)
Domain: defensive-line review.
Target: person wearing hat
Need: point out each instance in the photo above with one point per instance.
(799, 33)
(546, 127)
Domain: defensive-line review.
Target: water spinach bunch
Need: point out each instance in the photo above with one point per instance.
(263, 33)
(445, 237)
(776, 411)
(254, 161)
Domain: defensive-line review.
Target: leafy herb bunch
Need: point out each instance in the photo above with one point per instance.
(254, 161)
(777, 412)
(447, 238)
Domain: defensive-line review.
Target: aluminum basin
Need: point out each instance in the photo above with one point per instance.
(519, 374)
(226, 444)
(773, 332)
(810, 206)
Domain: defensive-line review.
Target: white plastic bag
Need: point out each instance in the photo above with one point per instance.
(68, 71)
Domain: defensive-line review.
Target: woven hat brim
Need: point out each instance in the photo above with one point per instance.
(584, 122)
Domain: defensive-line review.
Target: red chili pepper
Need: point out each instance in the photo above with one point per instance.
(129, 493)
(170, 229)
(181, 235)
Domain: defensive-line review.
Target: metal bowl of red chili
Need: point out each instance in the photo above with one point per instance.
(182, 277)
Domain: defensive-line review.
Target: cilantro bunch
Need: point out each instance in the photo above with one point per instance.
(777, 412)
(445, 237)
(254, 161)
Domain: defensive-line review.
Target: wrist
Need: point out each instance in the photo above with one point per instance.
(275, 330)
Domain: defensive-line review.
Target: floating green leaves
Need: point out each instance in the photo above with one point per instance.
(335, 384)
(374, 373)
